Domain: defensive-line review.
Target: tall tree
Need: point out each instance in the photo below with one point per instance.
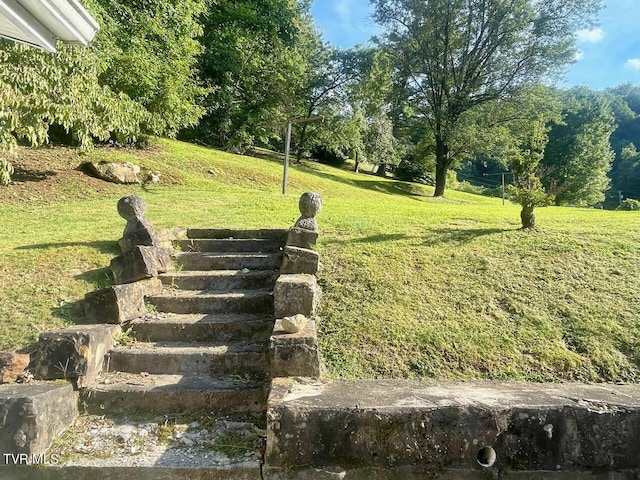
(579, 155)
(255, 61)
(458, 54)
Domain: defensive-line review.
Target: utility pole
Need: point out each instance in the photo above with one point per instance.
(287, 146)
(503, 174)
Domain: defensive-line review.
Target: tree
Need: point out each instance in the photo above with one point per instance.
(458, 54)
(255, 61)
(148, 50)
(380, 142)
(625, 101)
(527, 190)
(137, 78)
(579, 155)
(627, 178)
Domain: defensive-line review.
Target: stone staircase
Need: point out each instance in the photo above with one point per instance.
(205, 342)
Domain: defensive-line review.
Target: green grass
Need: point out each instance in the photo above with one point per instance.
(414, 287)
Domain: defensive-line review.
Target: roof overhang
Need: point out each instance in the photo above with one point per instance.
(40, 22)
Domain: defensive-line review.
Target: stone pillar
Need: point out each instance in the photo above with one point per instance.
(296, 294)
(299, 256)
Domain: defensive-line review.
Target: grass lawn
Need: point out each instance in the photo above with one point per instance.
(414, 287)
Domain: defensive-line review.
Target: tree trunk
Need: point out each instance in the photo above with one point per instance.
(528, 217)
(357, 165)
(382, 170)
(442, 165)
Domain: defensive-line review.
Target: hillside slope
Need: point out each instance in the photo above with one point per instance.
(414, 286)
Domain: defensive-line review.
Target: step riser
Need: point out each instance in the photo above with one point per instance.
(231, 402)
(250, 281)
(222, 245)
(222, 233)
(204, 263)
(253, 304)
(187, 363)
(203, 332)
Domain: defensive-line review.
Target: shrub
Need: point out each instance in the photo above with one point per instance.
(409, 171)
(629, 204)
(328, 156)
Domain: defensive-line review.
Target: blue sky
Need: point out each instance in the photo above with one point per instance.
(609, 54)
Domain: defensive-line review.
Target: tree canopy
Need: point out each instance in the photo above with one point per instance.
(458, 54)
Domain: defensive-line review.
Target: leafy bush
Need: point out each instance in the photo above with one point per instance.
(328, 156)
(629, 204)
(408, 171)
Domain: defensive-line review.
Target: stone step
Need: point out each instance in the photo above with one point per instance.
(195, 301)
(228, 261)
(182, 358)
(220, 279)
(224, 233)
(124, 393)
(254, 245)
(167, 327)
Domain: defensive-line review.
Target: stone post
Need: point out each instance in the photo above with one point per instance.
(296, 294)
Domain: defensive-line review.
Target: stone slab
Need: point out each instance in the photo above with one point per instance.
(140, 263)
(263, 233)
(75, 353)
(296, 294)
(300, 260)
(165, 394)
(294, 354)
(240, 472)
(435, 426)
(299, 237)
(32, 416)
(120, 303)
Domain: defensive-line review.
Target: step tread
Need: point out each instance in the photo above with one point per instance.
(212, 294)
(156, 382)
(222, 233)
(201, 318)
(216, 273)
(190, 348)
(226, 254)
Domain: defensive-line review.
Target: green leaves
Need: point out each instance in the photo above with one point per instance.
(455, 55)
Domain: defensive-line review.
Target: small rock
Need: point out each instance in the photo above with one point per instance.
(186, 441)
(12, 365)
(294, 324)
(194, 425)
(134, 450)
(244, 270)
(212, 172)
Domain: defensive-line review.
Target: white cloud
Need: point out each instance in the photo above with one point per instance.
(343, 10)
(633, 63)
(590, 36)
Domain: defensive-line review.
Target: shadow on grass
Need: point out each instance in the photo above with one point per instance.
(98, 278)
(23, 175)
(437, 237)
(382, 237)
(100, 246)
(460, 235)
(390, 187)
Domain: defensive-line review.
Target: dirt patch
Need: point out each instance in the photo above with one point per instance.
(52, 174)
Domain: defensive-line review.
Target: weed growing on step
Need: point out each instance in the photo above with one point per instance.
(125, 338)
(235, 445)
